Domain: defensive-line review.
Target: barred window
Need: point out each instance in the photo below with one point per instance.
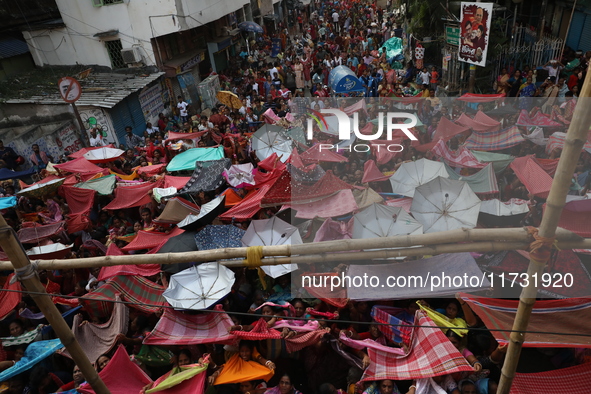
(114, 49)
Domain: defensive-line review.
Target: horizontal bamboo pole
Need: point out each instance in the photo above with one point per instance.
(223, 254)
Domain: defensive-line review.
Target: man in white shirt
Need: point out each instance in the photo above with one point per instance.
(182, 106)
(96, 139)
(318, 102)
(335, 21)
(151, 129)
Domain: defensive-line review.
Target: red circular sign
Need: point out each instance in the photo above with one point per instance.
(70, 89)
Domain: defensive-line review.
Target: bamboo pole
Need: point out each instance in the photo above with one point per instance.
(575, 139)
(570, 241)
(444, 237)
(15, 252)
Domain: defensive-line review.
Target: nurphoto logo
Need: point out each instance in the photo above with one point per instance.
(346, 125)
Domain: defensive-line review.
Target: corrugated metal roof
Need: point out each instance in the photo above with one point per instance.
(10, 47)
(98, 90)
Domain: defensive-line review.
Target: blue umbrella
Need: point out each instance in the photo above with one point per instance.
(250, 27)
(217, 237)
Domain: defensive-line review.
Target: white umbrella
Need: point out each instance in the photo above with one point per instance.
(413, 174)
(199, 287)
(51, 251)
(445, 204)
(240, 175)
(272, 231)
(497, 207)
(379, 220)
(103, 155)
(271, 139)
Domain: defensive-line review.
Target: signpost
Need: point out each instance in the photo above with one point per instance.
(452, 35)
(70, 90)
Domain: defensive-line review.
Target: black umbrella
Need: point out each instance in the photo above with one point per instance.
(206, 215)
(184, 242)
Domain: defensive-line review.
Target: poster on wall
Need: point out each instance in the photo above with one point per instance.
(151, 102)
(475, 32)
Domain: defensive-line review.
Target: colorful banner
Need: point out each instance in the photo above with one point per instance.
(476, 19)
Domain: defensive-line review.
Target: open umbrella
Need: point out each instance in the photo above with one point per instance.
(208, 212)
(379, 220)
(413, 174)
(219, 236)
(445, 204)
(272, 231)
(184, 242)
(229, 99)
(49, 252)
(42, 189)
(496, 213)
(250, 27)
(199, 287)
(240, 175)
(103, 155)
(271, 139)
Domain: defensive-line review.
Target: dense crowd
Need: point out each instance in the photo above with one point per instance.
(348, 33)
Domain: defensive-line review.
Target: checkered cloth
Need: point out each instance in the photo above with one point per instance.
(478, 125)
(495, 140)
(178, 328)
(539, 119)
(460, 158)
(431, 354)
(399, 320)
(573, 380)
(140, 292)
(10, 299)
(534, 178)
(259, 332)
(39, 233)
(247, 208)
(556, 141)
(303, 340)
(576, 216)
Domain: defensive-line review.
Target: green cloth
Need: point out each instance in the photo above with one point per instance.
(393, 47)
(187, 159)
(177, 376)
(480, 182)
(26, 338)
(498, 160)
(154, 356)
(103, 185)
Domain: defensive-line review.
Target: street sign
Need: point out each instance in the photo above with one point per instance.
(452, 35)
(70, 89)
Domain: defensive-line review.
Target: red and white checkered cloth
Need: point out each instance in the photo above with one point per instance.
(247, 208)
(177, 328)
(460, 158)
(431, 354)
(573, 380)
(534, 178)
(259, 332)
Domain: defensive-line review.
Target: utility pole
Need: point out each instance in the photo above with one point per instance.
(472, 78)
(27, 274)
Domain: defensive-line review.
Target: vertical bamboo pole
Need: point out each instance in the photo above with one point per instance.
(15, 252)
(575, 139)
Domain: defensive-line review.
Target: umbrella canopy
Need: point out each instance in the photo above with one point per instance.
(219, 236)
(42, 189)
(184, 242)
(229, 99)
(103, 155)
(272, 231)
(208, 212)
(49, 252)
(271, 139)
(445, 204)
(413, 174)
(379, 220)
(240, 175)
(199, 287)
(250, 26)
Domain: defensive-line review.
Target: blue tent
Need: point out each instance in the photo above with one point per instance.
(342, 80)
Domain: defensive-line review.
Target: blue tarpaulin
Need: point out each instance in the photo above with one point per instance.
(342, 80)
(7, 202)
(5, 174)
(35, 353)
(187, 159)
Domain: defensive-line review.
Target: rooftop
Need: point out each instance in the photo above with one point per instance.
(98, 89)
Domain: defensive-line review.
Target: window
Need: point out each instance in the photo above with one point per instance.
(114, 49)
(100, 3)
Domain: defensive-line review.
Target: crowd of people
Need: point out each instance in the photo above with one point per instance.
(281, 90)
